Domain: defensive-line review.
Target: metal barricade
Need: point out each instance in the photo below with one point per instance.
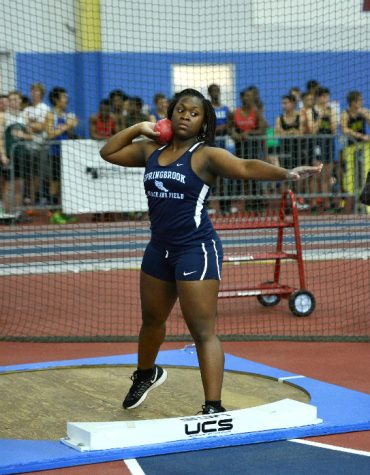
(335, 189)
(32, 177)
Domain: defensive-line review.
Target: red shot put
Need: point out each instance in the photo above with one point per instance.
(164, 127)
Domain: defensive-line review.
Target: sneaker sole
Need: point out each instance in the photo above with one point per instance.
(160, 381)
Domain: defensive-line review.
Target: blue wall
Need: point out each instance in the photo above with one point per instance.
(89, 77)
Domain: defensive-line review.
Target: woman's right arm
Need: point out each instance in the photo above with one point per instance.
(121, 151)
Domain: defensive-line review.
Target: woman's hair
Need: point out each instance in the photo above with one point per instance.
(209, 125)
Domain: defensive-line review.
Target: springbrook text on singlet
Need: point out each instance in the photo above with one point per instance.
(164, 193)
(165, 174)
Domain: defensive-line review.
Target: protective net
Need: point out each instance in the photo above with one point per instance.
(73, 228)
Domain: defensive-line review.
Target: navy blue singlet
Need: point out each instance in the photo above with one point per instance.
(177, 200)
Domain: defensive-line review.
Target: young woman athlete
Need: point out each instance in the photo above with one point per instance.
(184, 256)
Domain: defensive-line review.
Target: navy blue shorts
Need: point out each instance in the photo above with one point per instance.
(201, 262)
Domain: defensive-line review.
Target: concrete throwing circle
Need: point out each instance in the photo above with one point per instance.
(38, 404)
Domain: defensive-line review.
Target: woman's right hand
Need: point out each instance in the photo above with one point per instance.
(147, 129)
(300, 173)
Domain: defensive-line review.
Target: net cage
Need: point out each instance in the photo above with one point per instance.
(289, 82)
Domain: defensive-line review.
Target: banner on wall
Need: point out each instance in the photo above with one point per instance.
(91, 185)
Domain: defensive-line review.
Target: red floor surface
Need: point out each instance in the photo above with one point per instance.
(345, 364)
(107, 303)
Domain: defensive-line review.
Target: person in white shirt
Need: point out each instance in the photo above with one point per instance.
(36, 113)
(35, 116)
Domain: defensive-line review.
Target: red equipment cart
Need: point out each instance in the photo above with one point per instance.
(301, 301)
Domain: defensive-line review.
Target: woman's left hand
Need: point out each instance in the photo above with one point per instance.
(299, 173)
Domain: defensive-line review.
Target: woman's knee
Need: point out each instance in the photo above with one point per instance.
(202, 334)
(153, 320)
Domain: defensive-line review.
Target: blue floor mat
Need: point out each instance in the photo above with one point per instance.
(342, 410)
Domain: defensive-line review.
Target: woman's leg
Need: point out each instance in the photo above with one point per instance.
(157, 300)
(198, 300)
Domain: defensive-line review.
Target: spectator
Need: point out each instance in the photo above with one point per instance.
(312, 87)
(353, 123)
(291, 152)
(102, 124)
(14, 153)
(308, 115)
(325, 128)
(35, 115)
(256, 97)
(36, 112)
(247, 122)
(59, 126)
(4, 102)
(134, 112)
(222, 115)
(26, 102)
(309, 118)
(159, 110)
(296, 92)
(222, 121)
(286, 125)
(119, 102)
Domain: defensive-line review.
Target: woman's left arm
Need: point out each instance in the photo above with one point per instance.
(223, 163)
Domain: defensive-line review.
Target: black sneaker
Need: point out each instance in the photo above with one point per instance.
(141, 387)
(209, 409)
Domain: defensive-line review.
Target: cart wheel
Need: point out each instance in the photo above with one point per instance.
(302, 303)
(268, 300)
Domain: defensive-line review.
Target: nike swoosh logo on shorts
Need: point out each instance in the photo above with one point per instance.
(179, 164)
(188, 273)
